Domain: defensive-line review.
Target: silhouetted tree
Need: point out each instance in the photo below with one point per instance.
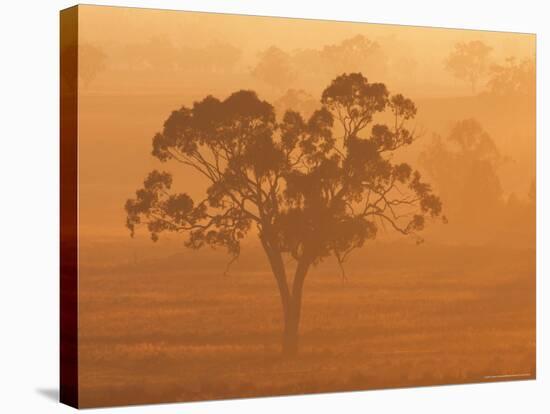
(307, 193)
(161, 54)
(91, 61)
(314, 67)
(513, 78)
(464, 168)
(469, 62)
(356, 52)
(275, 68)
(298, 100)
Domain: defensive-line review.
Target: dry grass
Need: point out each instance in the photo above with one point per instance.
(456, 317)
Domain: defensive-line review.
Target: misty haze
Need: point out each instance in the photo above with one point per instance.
(278, 206)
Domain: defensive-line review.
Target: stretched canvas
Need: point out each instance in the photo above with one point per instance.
(256, 206)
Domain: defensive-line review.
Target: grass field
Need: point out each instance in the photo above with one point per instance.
(428, 315)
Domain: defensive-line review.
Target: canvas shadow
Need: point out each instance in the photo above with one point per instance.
(50, 393)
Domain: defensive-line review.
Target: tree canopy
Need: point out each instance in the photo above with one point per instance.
(309, 191)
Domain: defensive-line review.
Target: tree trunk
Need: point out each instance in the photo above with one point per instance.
(290, 333)
(291, 301)
(292, 315)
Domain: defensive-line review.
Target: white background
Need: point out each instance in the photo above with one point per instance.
(29, 208)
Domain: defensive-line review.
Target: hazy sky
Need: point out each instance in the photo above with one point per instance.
(122, 108)
(128, 25)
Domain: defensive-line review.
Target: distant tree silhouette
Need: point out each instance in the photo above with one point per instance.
(310, 68)
(355, 52)
(298, 100)
(162, 55)
(469, 61)
(275, 68)
(513, 78)
(306, 192)
(91, 61)
(464, 167)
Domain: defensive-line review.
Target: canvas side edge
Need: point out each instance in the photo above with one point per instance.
(68, 373)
